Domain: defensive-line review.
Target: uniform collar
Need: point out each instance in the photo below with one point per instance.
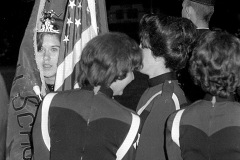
(87, 87)
(50, 87)
(209, 97)
(107, 91)
(162, 78)
(202, 28)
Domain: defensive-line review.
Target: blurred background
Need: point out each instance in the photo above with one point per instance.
(123, 16)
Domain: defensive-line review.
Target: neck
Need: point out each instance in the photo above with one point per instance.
(50, 80)
(159, 72)
(158, 68)
(202, 24)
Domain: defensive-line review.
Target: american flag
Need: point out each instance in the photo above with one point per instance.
(84, 19)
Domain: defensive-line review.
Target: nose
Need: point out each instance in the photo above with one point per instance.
(46, 55)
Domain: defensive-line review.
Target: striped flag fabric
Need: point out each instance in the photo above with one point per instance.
(84, 19)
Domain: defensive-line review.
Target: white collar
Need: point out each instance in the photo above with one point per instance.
(202, 28)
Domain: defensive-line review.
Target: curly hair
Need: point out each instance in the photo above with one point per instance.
(107, 58)
(169, 37)
(215, 63)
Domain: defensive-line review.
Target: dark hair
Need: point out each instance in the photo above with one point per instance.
(57, 25)
(203, 12)
(215, 63)
(168, 37)
(108, 57)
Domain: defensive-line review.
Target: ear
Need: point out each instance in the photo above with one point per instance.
(190, 12)
(159, 59)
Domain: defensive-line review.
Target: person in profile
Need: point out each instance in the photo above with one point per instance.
(87, 123)
(209, 128)
(165, 42)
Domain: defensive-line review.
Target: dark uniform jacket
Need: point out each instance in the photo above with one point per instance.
(207, 129)
(85, 126)
(201, 31)
(162, 98)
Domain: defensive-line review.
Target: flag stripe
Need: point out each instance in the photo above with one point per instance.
(66, 68)
(101, 16)
(93, 15)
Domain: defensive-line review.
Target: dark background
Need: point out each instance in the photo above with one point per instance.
(14, 16)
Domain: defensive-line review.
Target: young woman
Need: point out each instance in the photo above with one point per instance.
(87, 123)
(29, 86)
(48, 46)
(166, 43)
(209, 128)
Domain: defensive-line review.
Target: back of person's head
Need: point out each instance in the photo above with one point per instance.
(204, 9)
(107, 58)
(215, 63)
(169, 37)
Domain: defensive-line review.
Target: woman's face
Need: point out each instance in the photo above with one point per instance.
(47, 56)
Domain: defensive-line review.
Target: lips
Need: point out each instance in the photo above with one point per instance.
(47, 66)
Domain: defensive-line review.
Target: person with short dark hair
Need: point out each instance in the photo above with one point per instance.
(87, 123)
(165, 42)
(209, 128)
(199, 12)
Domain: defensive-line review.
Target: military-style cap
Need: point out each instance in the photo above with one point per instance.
(205, 2)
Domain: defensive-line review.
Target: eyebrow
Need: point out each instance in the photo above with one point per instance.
(56, 46)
